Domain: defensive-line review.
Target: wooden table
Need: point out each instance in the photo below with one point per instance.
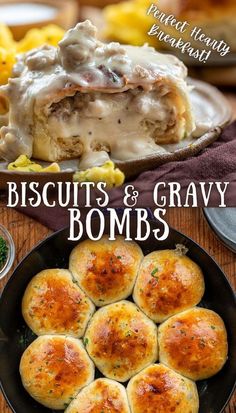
(27, 232)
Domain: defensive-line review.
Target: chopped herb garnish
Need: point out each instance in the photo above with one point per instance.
(213, 327)
(3, 252)
(153, 273)
(22, 340)
(74, 281)
(85, 340)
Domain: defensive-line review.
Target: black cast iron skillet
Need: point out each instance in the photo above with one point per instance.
(54, 252)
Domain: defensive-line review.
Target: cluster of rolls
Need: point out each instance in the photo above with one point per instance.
(121, 338)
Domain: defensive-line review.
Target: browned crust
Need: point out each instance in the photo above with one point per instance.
(194, 343)
(53, 303)
(121, 340)
(182, 277)
(160, 389)
(54, 368)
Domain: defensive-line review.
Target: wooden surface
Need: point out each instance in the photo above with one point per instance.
(27, 233)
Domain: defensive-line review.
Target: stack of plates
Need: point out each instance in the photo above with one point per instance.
(223, 222)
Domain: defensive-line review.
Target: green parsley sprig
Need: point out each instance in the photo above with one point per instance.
(3, 252)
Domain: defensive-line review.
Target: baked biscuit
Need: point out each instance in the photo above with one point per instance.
(121, 340)
(106, 270)
(54, 304)
(167, 283)
(194, 343)
(158, 389)
(54, 369)
(103, 395)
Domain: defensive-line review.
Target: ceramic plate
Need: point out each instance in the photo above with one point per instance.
(223, 222)
(209, 106)
(214, 60)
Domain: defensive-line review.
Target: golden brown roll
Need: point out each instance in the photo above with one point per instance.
(106, 270)
(54, 369)
(54, 304)
(101, 396)
(194, 343)
(158, 389)
(167, 283)
(121, 340)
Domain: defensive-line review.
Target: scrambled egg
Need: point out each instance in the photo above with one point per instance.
(24, 164)
(106, 173)
(127, 22)
(6, 37)
(51, 35)
(7, 61)
(9, 48)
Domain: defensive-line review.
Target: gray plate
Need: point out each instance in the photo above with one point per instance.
(214, 60)
(209, 106)
(223, 222)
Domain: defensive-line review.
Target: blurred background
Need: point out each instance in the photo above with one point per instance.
(30, 23)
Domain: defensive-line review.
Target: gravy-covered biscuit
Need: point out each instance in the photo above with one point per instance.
(54, 304)
(106, 270)
(167, 283)
(54, 368)
(121, 340)
(194, 343)
(158, 389)
(103, 395)
(95, 101)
